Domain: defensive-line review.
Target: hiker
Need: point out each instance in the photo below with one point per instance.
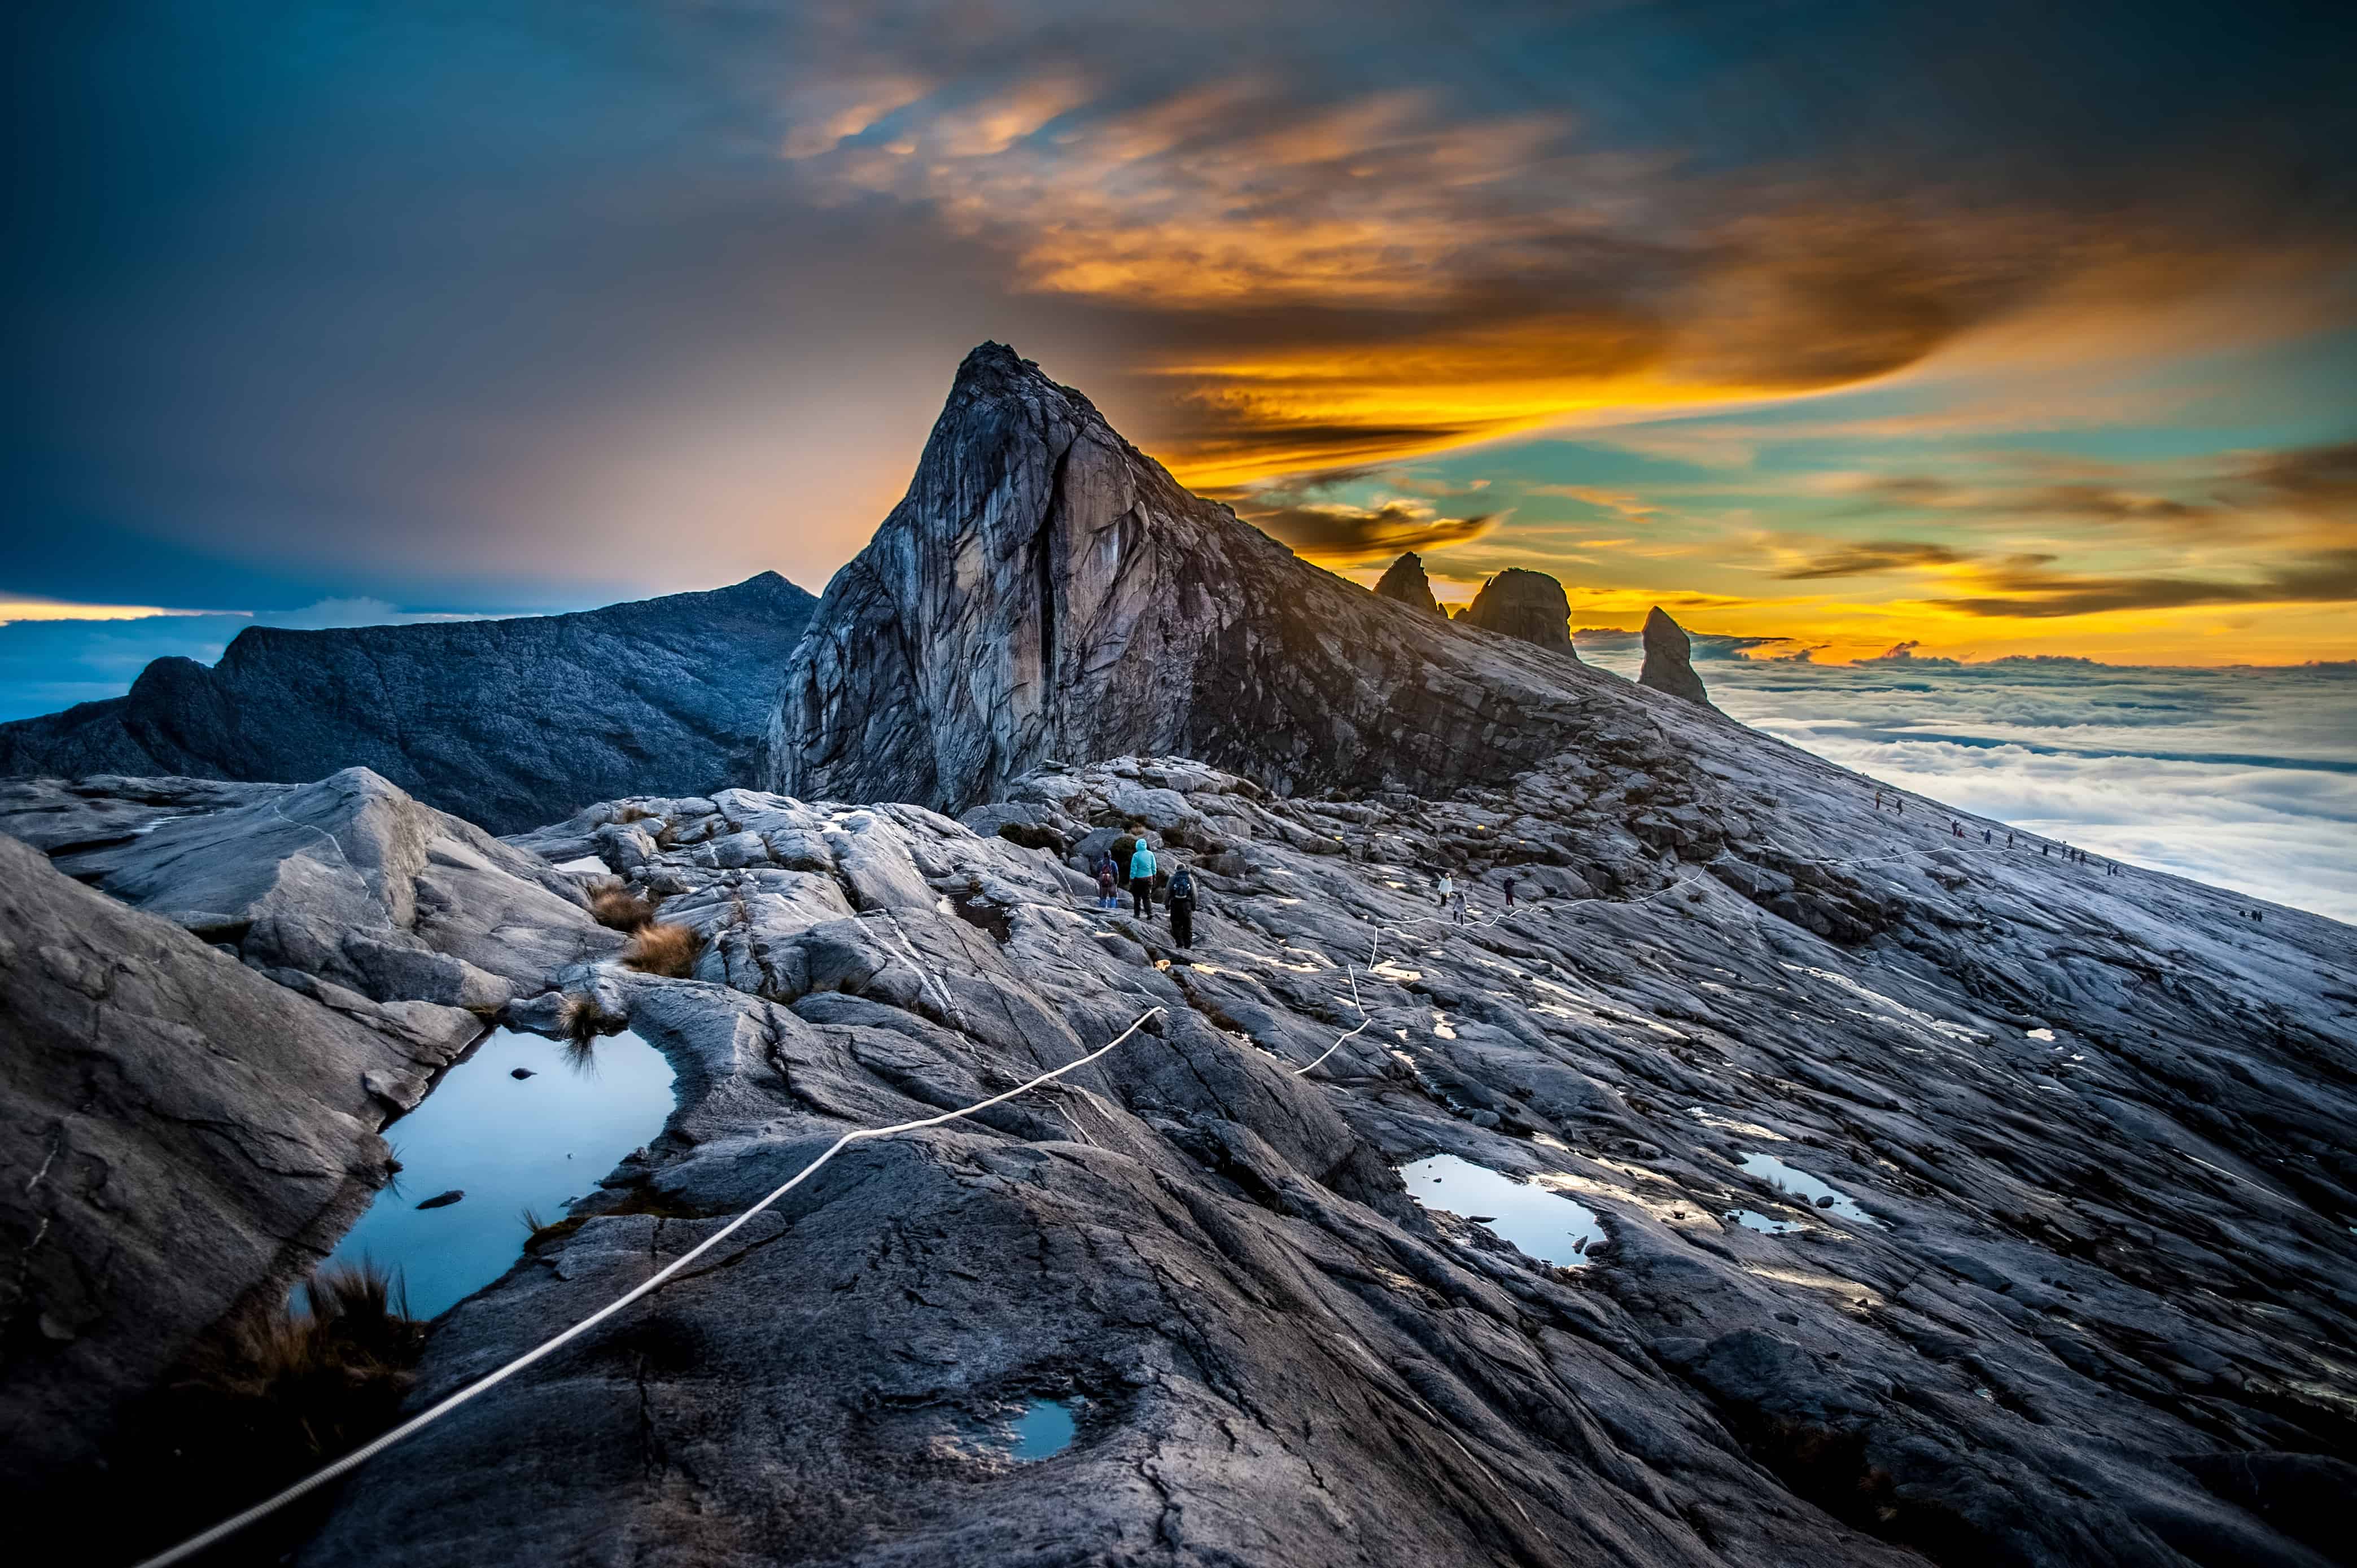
(1958, 829)
(1105, 872)
(1460, 905)
(1182, 907)
(1988, 835)
(1447, 886)
(1141, 881)
(2008, 841)
(1877, 799)
(1510, 893)
(2045, 849)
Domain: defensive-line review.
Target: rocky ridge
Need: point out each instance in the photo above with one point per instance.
(507, 723)
(2080, 1301)
(1669, 659)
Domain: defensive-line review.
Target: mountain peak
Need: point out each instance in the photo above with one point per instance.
(1045, 589)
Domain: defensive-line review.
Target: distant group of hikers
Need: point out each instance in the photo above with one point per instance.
(1142, 873)
(2046, 847)
(1130, 864)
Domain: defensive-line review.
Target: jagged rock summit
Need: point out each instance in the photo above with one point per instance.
(508, 723)
(1526, 605)
(1669, 659)
(1405, 582)
(1047, 591)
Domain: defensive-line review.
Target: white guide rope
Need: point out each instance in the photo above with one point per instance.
(424, 1419)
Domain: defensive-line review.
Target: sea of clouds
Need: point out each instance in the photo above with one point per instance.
(2243, 778)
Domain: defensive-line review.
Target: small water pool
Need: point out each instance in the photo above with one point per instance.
(1043, 1429)
(1752, 1219)
(1547, 1225)
(1809, 1189)
(509, 1144)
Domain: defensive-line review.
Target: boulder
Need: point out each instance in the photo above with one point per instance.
(1669, 659)
(351, 881)
(1526, 605)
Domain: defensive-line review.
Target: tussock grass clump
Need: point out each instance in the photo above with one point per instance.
(305, 1387)
(663, 948)
(269, 1397)
(621, 908)
(631, 811)
(580, 1019)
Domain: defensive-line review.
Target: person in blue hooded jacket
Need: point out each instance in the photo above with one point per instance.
(1141, 880)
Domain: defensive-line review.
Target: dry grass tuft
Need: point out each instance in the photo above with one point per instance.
(617, 908)
(631, 812)
(581, 1020)
(665, 950)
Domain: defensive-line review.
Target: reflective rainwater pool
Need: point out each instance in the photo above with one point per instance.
(509, 1144)
(1547, 1225)
(1809, 1189)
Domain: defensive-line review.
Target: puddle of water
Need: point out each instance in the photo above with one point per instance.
(1751, 1219)
(1043, 1429)
(509, 1144)
(582, 862)
(1802, 1185)
(1547, 1225)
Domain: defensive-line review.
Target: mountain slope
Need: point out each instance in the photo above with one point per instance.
(509, 723)
(1047, 591)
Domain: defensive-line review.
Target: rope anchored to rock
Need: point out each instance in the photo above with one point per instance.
(426, 1418)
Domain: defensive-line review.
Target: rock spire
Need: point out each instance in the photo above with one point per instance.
(1669, 659)
(1406, 583)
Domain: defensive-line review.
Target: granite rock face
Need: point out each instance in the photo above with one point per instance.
(1404, 581)
(509, 723)
(347, 881)
(2076, 1294)
(1045, 591)
(1669, 659)
(1526, 605)
(178, 1135)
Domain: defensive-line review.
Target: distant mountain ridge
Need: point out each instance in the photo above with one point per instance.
(510, 723)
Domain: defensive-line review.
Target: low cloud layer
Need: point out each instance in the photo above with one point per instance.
(2244, 778)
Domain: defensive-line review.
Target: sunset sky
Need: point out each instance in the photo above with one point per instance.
(1997, 328)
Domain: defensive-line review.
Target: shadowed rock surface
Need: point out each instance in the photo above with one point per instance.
(1404, 581)
(177, 1135)
(1047, 591)
(1669, 659)
(1526, 605)
(507, 723)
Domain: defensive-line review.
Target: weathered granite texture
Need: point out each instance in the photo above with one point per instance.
(1669, 659)
(177, 1135)
(2085, 1303)
(1527, 605)
(507, 723)
(347, 881)
(1046, 591)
